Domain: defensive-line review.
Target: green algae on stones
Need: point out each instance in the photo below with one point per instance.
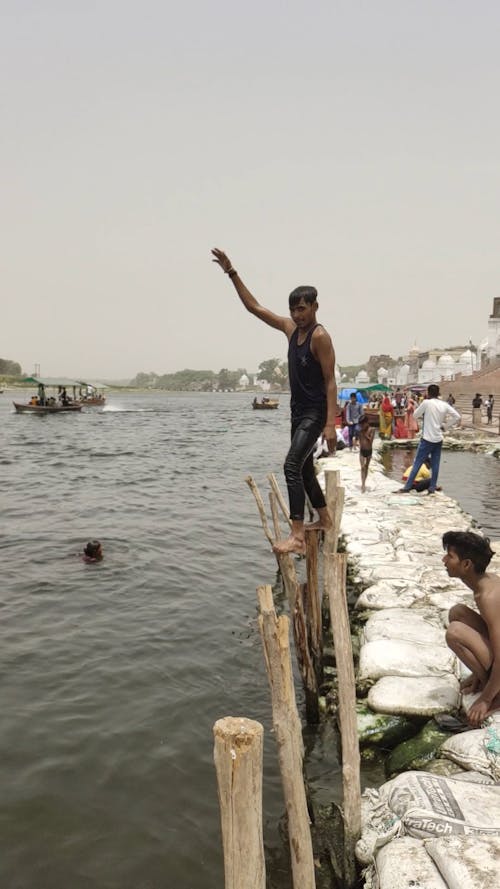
(381, 729)
(415, 753)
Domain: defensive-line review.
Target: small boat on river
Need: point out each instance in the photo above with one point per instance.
(43, 403)
(267, 404)
(92, 394)
(48, 408)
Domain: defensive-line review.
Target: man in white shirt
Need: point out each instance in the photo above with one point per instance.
(434, 414)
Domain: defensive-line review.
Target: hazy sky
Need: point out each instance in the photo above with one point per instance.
(352, 145)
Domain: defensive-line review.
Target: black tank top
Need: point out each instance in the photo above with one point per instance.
(307, 385)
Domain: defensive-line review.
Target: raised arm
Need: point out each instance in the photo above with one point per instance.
(248, 299)
(322, 349)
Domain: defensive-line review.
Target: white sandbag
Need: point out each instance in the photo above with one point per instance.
(467, 750)
(409, 625)
(429, 805)
(387, 594)
(468, 777)
(446, 600)
(424, 696)
(467, 862)
(375, 550)
(477, 750)
(404, 863)
(393, 571)
(390, 657)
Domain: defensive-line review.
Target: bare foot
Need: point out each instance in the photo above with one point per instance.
(363, 489)
(320, 525)
(291, 545)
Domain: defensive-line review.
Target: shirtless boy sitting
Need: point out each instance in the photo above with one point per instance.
(473, 637)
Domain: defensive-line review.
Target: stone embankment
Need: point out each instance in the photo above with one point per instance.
(437, 823)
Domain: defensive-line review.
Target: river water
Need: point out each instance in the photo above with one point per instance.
(113, 674)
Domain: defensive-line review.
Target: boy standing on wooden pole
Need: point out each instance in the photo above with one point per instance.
(311, 366)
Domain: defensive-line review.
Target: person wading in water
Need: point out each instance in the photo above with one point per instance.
(311, 366)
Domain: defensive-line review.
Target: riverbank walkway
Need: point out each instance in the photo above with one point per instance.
(425, 824)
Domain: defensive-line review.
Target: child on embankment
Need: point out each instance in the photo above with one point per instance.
(366, 435)
(475, 637)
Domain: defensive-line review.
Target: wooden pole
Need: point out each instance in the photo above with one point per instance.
(335, 585)
(275, 639)
(279, 496)
(313, 604)
(305, 661)
(260, 506)
(238, 763)
(334, 495)
(285, 560)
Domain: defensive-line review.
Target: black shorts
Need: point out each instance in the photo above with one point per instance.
(365, 452)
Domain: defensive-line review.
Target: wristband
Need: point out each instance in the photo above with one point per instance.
(231, 272)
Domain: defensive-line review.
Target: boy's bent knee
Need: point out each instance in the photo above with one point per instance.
(457, 613)
(454, 633)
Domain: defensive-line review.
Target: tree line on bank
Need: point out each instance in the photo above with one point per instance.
(273, 370)
(10, 368)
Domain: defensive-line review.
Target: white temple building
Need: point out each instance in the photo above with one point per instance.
(362, 378)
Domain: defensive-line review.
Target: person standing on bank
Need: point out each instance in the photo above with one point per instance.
(353, 414)
(434, 413)
(311, 366)
(477, 403)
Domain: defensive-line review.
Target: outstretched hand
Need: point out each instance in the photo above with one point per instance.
(221, 259)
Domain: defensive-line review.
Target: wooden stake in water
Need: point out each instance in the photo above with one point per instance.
(313, 604)
(275, 639)
(238, 763)
(335, 586)
(334, 496)
(305, 661)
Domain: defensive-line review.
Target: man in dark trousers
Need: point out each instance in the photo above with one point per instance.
(311, 366)
(435, 414)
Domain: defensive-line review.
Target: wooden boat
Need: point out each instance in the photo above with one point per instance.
(59, 403)
(46, 408)
(93, 400)
(267, 404)
(92, 395)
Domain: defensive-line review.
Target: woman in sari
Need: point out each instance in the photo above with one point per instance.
(385, 419)
(410, 419)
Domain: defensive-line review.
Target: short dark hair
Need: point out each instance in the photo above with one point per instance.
(468, 545)
(433, 390)
(306, 292)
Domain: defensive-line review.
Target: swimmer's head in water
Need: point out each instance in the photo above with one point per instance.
(93, 550)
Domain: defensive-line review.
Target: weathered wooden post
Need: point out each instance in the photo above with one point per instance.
(260, 506)
(313, 604)
(285, 560)
(275, 639)
(238, 763)
(334, 495)
(304, 658)
(279, 496)
(335, 585)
